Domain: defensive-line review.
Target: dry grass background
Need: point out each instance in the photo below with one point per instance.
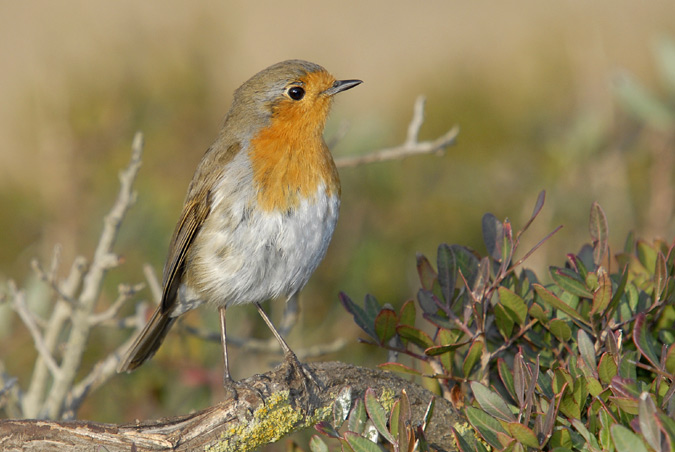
(530, 84)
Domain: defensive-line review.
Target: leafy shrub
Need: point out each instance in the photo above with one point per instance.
(584, 362)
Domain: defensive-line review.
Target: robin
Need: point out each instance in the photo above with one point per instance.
(260, 210)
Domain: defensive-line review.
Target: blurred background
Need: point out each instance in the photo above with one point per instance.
(572, 97)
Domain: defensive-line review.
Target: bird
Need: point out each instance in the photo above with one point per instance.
(260, 210)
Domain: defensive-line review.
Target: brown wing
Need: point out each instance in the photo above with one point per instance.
(149, 340)
(195, 212)
(193, 216)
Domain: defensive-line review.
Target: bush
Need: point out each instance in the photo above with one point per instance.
(584, 362)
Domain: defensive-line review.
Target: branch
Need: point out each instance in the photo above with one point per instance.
(243, 424)
(28, 319)
(125, 292)
(265, 345)
(410, 147)
(103, 260)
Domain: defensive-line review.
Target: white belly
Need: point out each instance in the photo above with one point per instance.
(265, 255)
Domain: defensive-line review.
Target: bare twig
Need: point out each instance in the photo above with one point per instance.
(153, 283)
(410, 147)
(102, 372)
(103, 260)
(125, 292)
(265, 345)
(28, 319)
(50, 279)
(32, 402)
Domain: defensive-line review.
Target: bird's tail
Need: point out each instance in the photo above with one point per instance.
(147, 343)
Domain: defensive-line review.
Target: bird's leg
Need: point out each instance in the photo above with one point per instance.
(227, 377)
(289, 355)
(228, 382)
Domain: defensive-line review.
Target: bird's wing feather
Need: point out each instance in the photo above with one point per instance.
(192, 218)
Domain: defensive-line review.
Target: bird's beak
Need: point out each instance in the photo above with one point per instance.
(341, 85)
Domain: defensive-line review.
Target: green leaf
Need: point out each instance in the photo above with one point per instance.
(345, 445)
(487, 426)
(491, 402)
(625, 440)
(570, 281)
(427, 303)
(503, 321)
(581, 428)
(393, 419)
(316, 444)
(643, 340)
(400, 368)
(361, 318)
(549, 298)
(513, 304)
(660, 276)
(537, 312)
(603, 294)
(407, 314)
(607, 368)
(361, 444)
(670, 359)
(385, 325)
(356, 422)
(647, 256)
(404, 420)
(647, 420)
(428, 414)
(467, 263)
(472, 356)
(523, 434)
(377, 414)
(438, 350)
(507, 243)
(414, 335)
(447, 271)
(493, 235)
(586, 349)
(560, 330)
(599, 233)
(426, 272)
(372, 307)
(506, 375)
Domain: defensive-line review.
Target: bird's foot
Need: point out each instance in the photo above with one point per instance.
(296, 370)
(233, 388)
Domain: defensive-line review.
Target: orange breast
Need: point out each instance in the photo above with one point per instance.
(290, 159)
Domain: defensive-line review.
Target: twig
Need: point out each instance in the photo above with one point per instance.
(265, 345)
(28, 319)
(33, 400)
(410, 147)
(50, 280)
(125, 292)
(153, 283)
(91, 288)
(103, 371)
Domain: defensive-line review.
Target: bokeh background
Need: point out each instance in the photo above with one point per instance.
(572, 97)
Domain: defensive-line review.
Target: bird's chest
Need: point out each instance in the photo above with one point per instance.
(252, 254)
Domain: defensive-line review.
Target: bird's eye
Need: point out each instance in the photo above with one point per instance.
(296, 93)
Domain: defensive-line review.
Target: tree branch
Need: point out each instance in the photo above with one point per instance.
(410, 147)
(243, 424)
